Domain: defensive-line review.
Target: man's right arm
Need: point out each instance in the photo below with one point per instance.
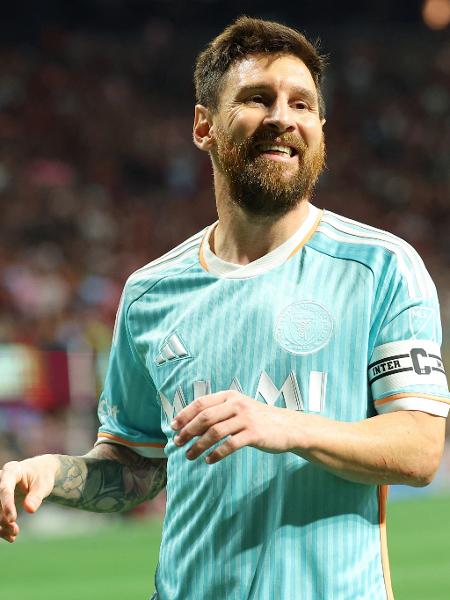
(110, 478)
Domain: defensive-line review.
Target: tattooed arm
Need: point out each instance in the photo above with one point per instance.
(109, 478)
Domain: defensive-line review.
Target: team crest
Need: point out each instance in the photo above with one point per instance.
(304, 327)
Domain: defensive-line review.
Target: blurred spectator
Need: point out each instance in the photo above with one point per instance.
(98, 174)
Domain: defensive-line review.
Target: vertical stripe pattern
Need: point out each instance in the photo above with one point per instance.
(299, 336)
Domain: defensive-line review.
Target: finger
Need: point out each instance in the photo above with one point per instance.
(39, 488)
(33, 500)
(12, 529)
(232, 444)
(9, 477)
(217, 432)
(189, 412)
(203, 421)
(8, 537)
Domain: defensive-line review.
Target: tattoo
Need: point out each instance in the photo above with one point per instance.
(110, 478)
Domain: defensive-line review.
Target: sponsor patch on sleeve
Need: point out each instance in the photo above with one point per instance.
(406, 363)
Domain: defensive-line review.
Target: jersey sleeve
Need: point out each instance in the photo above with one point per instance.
(129, 411)
(405, 369)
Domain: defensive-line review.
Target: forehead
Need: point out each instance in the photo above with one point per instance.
(280, 71)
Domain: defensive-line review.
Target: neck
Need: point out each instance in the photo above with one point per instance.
(241, 237)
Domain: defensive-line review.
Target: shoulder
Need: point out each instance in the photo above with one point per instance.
(384, 253)
(348, 237)
(177, 260)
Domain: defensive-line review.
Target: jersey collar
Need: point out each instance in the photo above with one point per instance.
(220, 268)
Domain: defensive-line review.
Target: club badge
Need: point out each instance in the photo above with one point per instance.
(304, 327)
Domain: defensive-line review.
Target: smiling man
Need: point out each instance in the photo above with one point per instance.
(284, 363)
(270, 159)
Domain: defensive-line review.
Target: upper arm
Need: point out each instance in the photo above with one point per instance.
(432, 428)
(129, 409)
(405, 368)
(144, 477)
(125, 456)
(429, 433)
(413, 441)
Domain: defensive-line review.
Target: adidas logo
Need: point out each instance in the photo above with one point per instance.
(172, 349)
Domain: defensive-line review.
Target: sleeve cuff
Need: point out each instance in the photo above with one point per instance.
(147, 449)
(434, 405)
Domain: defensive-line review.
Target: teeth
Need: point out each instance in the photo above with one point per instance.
(273, 147)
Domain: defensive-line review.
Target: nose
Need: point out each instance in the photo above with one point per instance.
(280, 118)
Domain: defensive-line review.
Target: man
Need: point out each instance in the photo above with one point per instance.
(286, 359)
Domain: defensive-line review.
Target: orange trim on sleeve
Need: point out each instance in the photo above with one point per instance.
(309, 235)
(412, 395)
(127, 443)
(382, 502)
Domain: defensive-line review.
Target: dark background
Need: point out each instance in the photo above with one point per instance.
(23, 19)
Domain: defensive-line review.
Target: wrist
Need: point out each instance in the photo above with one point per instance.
(300, 438)
(49, 463)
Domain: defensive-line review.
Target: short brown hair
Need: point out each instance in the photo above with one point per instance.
(252, 36)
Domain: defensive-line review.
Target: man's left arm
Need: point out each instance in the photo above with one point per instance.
(403, 447)
(408, 388)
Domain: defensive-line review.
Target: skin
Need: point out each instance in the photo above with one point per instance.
(278, 94)
(402, 447)
(110, 478)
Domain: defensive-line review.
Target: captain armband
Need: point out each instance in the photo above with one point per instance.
(406, 363)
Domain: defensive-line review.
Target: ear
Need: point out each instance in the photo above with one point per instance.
(202, 130)
(323, 121)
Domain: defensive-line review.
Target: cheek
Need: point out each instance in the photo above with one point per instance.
(311, 130)
(242, 123)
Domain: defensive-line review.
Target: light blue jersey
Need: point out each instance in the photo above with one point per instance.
(342, 321)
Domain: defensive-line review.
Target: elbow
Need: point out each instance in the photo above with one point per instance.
(423, 476)
(426, 453)
(420, 481)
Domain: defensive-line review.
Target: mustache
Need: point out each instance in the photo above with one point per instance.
(269, 137)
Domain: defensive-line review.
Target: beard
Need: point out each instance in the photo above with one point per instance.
(265, 187)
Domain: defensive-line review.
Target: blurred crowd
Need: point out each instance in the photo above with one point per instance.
(98, 174)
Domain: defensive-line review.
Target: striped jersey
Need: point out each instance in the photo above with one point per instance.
(341, 320)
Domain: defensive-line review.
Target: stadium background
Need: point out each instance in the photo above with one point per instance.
(98, 176)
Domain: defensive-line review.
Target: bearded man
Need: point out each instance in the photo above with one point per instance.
(279, 368)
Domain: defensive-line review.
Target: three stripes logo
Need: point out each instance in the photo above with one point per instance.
(172, 349)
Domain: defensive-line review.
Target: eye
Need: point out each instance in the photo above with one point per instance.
(300, 105)
(257, 99)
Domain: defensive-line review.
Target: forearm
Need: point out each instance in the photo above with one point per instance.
(395, 448)
(107, 479)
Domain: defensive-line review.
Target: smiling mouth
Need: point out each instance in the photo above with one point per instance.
(276, 150)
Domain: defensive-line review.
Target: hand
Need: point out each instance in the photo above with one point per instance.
(30, 480)
(247, 422)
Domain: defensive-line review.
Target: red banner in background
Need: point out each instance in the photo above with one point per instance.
(46, 380)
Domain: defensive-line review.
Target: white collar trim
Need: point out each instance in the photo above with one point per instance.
(221, 268)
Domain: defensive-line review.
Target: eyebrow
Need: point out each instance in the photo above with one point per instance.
(300, 91)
